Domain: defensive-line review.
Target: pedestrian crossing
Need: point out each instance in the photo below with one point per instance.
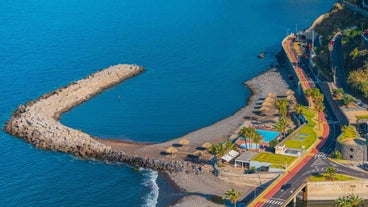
(318, 163)
(275, 202)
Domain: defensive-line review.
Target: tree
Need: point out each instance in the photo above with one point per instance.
(229, 146)
(347, 99)
(342, 201)
(298, 109)
(337, 155)
(249, 133)
(351, 200)
(281, 125)
(273, 143)
(221, 149)
(244, 133)
(257, 139)
(232, 195)
(282, 106)
(338, 93)
(218, 150)
(308, 92)
(355, 200)
(331, 172)
(319, 107)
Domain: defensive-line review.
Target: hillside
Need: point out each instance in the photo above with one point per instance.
(355, 48)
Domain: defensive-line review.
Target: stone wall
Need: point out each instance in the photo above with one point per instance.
(37, 123)
(353, 152)
(332, 190)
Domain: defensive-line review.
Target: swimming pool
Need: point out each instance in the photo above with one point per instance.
(268, 135)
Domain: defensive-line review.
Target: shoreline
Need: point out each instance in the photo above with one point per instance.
(198, 194)
(37, 123)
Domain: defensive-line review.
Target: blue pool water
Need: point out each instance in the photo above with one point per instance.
(197, 54)
(268, 135)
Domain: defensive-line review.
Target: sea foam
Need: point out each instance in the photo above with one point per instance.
(150, 182)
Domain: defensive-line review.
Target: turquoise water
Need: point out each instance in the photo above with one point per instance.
(267, 134)
(196, 54)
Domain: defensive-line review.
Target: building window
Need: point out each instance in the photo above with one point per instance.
(351, 149)
(351, 156)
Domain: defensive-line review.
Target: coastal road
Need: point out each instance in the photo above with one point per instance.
(311, 163)
(267, 197)
(318, 164)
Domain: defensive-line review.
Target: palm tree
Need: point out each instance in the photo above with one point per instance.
(319, 107)
(338, 93)
(308, 92)
(351, 200)
(253, 134)
(298, 109)
(221, 149)
(218, 150)
(249, 133)
(355, 200)
(229, 146)
(281, 125)
(244, 132)
(331, 171)
(315, 92)
(282, 105)
(257, 139)
(342, 201)
(232, 195)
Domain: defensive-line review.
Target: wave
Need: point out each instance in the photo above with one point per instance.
(150, 182)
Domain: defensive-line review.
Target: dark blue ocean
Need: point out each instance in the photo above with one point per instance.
(197, 54)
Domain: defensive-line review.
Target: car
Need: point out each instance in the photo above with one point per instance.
(286, 186)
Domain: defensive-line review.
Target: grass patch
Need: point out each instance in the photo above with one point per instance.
(307, 140)
(362, 117)
(307, 129)
(276, 160)
(324, 177)
(347, 132)
(309, 116)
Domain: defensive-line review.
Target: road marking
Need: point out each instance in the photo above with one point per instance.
(275, 201)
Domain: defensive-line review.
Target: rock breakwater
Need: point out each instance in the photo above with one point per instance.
(37, 123)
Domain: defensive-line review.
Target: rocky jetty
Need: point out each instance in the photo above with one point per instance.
(37, 123)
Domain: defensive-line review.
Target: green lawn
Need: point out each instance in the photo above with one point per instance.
(362, 117)
(348, 133)
(324, 177)
(305, 130)
(307, 140)
(277, 161)
(309, 116)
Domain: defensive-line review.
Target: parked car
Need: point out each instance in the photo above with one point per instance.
(365, 166)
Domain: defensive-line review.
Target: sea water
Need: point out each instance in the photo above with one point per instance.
(197, 54)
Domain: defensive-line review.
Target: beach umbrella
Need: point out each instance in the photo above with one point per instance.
(264, 108)
(269, 99)
(206, 145)
(184, 141)
(273, 95)
(291, 98)
(171, 150)
(289, 92)
(266, 103)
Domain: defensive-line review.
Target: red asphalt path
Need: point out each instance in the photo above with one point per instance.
(325, 128)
